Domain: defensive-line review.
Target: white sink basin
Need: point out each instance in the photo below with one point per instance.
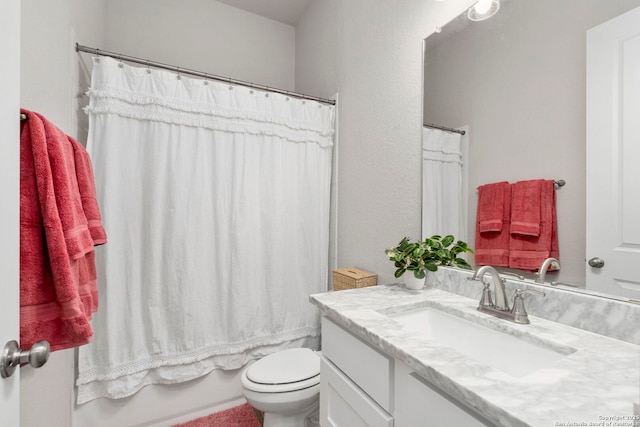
(501, 351)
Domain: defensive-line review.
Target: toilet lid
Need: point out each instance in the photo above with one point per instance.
(285, 367)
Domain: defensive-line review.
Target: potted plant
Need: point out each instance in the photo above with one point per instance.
(428, 254)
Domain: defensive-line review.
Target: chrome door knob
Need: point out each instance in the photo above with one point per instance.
(13, 356)
(596, 262)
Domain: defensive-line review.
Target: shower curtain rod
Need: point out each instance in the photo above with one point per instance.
(430, 125)
(180, 70)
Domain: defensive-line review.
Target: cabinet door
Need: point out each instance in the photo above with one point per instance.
(343, 404)
(363, 364)
(419, 403)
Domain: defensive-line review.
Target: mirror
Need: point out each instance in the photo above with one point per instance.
(516, 83)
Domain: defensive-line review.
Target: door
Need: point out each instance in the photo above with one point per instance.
(9, 199)
(613, 155)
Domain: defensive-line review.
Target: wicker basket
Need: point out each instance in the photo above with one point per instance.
(352, 278)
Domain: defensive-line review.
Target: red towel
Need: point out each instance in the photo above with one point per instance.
(526, 207)
(87, 189)
(528, 252)
(57, 268)
(492, 240)
(491, 207)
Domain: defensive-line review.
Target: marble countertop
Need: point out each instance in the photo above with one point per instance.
(597, 383)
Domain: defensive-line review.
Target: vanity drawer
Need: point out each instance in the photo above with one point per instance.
(367, 367)
(420, 403)
(343, 404)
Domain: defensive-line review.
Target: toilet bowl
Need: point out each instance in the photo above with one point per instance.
(285, 386)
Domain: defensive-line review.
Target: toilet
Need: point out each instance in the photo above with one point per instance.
(285, 386)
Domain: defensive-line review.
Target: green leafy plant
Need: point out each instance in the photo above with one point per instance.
(428, 254)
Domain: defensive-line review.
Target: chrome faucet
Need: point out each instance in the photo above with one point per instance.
(500, 308)
(498, 287)
(542, 272)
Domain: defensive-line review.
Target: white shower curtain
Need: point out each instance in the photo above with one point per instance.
(216, 201)
(443, 208)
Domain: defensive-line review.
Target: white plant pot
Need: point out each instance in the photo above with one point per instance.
(410, 281)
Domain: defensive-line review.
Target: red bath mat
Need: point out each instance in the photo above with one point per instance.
(238, 416)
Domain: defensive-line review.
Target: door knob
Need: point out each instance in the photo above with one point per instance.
(596, 262)
(13, 356)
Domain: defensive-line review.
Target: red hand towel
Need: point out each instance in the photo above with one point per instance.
(491, 206)
(525, 207)
(87, 190)
(528, 252)
(492, 247)
(57, 267)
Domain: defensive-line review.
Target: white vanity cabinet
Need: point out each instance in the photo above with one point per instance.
(360, 386)
(355, 381)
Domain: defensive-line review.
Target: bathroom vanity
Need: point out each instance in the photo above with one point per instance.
(362, 386)
(399, 357)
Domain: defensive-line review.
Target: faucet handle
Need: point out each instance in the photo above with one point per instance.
(482, 280)
(519, 313)
(485, 301)
(520, 292)
(508, 273)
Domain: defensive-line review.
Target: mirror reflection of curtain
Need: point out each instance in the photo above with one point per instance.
(443, 210)
(216, 201)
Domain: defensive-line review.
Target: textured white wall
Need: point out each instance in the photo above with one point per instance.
(370, 52)
(50, 67)
(204, 35)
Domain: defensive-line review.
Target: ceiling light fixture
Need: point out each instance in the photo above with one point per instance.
(483, 9)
